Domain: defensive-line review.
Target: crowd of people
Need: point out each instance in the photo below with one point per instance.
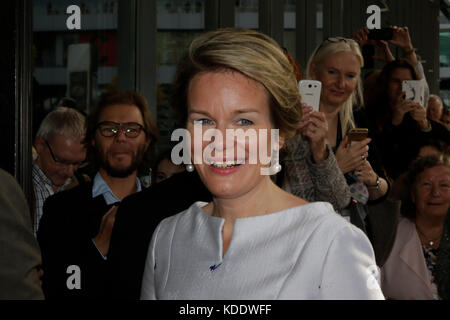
(335, 215)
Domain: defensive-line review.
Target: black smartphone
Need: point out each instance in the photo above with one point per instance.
(381, 34)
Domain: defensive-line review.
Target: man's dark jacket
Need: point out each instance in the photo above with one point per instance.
(72, 218)
(69, 222)
(137, 218)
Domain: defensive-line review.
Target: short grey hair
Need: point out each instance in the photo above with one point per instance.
(435, 96)
(63, 121)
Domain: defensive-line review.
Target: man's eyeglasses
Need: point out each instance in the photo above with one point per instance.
(111, 129)
(60, 162)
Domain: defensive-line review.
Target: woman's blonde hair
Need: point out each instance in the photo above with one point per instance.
(254, 55)
(329, 47)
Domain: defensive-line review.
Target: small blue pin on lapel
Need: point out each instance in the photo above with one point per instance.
(214, 267)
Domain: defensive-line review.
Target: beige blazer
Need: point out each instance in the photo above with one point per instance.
(405, 276)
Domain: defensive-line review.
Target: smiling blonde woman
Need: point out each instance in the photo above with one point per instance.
(253, 240)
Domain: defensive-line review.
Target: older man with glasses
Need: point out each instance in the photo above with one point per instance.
(59, 151)
(77, 224)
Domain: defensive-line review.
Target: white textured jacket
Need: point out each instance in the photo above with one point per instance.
(305, 252)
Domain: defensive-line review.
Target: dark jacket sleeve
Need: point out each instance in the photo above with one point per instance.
(374, 158)
(136, 219)
(400, 144)
(73, 267)
(19, 251)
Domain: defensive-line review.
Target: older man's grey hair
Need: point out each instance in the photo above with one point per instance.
(63, 121)
(435, 96)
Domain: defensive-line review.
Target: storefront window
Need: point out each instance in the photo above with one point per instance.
(289, 26)
(246, 14)
(444, 59)
(178, 23)
(75, 64)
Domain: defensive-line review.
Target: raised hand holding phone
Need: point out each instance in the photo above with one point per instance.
(401, 107)
(365, 173)
(401, 38)
(414, 90)
(381, 34)
(383, 52)
(314, 127)
(350, 157)
(357, 134)
(310, 91)
(419, 114)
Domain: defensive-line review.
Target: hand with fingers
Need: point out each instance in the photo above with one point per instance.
(401, 107)
(383, 52)
(350, 157)
(103, 238)
(419, 114)
(362, 36)
(314, 127)
(365, 174)
(402, 39)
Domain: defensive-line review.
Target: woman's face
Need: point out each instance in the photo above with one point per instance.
(167, 169)
(228, 100)
(431, 192)
(395, 85)
(339, 74)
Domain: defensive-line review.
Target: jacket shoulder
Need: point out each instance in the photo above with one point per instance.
(74, 195)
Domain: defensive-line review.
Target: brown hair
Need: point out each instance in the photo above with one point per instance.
(378, 105)
(297, 71)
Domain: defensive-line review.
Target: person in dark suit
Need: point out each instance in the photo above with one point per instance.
(76, 226)
(19, 252)
(136, 219)
(70, 221)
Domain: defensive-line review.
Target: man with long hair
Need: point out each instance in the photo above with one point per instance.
(76, 227)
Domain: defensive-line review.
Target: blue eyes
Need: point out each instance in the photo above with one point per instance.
(203, 122)
(245, 122)
(208, 122)
(350, 76)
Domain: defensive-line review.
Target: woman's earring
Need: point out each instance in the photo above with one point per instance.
(275, 158)
(190, 167)
(277, 168)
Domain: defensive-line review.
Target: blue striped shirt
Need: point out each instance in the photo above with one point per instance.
(43, 188)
